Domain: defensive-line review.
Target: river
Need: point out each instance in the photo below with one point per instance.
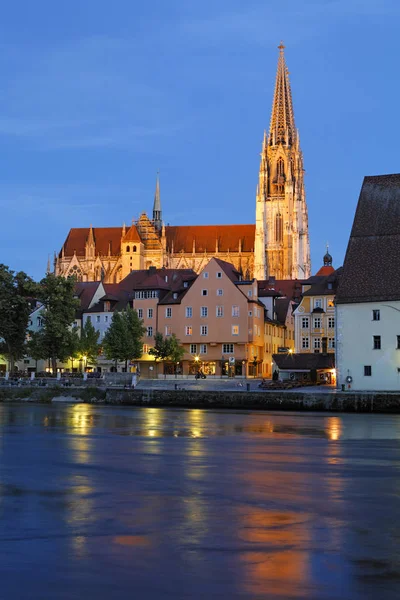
(148, 503)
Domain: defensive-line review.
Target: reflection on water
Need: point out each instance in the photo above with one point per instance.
(195, 503)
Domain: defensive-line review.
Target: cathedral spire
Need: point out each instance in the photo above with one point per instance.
(282, 128)
(157, 218)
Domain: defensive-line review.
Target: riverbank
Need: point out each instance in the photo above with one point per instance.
(329, 401)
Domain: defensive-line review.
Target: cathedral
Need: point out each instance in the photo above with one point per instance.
(277, 245)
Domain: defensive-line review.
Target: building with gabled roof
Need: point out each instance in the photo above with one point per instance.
(368, 296)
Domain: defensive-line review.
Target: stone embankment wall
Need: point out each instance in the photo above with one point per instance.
(274, 400)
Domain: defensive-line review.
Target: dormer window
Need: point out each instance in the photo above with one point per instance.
(185, 284)
(175, 295)
(107, 306)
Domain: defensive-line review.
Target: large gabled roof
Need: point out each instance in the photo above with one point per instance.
(207, 237)
(371, 267)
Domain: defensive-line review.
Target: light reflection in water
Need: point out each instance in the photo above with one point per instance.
(334, 428)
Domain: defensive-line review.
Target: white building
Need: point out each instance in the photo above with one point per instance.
(368, 296)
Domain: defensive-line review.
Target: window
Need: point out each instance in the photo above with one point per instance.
(376, 315)
(185, 284)
(235, 329)
(205, 274)
(250, 293)
(145, 349)
(227, 348)
(331, 322)
(134, 249)
(203, 330)
(98, 319)
(220, 292)
(398, 342)
(203, 348)
(219, 275)
(149, 332)
(140, 313)
(193, 348)
(220, 311)
(377, 342)
(317, 343)
(305, 343)
(168, 312)
(204, 292)
(188, 330)
(305, 322)
(189, 312)
(318, 303)
(331, 303)
(128, 249)
(149, 313)
(168, 330)
(250, 313)
(278, 228)
(145, 294)
(367, 370)
(331, 343)
(204, 311)
(235, 311)
(317, 322)
(107, 306)
(106, 319)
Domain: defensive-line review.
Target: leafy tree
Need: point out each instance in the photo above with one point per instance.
(16, 291)
(89, 342)
(74, 345)
(34, 347)
(57, 296)
(167, 348)
(123, 339)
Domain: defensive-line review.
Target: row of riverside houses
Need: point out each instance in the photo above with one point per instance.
(227, 325)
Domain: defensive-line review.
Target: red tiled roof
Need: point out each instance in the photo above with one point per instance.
(103, 236)
(285, 287)
(325, 270)
(132, 235)
(205, 236)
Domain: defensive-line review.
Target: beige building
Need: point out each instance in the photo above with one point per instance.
(277, 245)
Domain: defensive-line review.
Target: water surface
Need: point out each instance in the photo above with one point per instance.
(101, 502)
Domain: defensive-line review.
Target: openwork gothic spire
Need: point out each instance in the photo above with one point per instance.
(157, 215)
(282, 128)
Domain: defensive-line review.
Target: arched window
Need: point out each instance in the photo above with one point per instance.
(128, 248)
(278, 228)
(134, 249)
(280, 167)
(75, 272)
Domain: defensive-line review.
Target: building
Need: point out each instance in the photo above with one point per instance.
(315, 315)
(368, 296)
(277, 245)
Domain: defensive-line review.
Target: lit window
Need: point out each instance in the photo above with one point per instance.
(193, 348)
(203, 330)
(189, 312)
(220, 311)
(168, 330)
(204, 311)
(188, 330)
(145, 349)
(203, 348)
(235, 330)
(235, 311)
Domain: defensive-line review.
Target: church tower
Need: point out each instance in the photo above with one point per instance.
(281, 244)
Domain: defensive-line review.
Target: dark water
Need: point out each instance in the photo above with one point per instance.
(151, 503)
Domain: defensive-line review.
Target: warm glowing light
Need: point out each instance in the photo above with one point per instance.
(334, 428)
(290, 351)
(197, 358)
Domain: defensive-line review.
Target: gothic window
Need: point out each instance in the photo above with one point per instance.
(278, 228)
(128, 248)
(280, 167)
(75, 272)
(134, 249)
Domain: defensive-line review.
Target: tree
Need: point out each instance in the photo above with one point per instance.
(34, 347)
(74, 345)
(167, 348)
(123, 339)
(57, 296)
(89, 342)
(16, 291)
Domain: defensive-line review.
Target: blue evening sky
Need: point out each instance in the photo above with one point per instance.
(98, 95)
